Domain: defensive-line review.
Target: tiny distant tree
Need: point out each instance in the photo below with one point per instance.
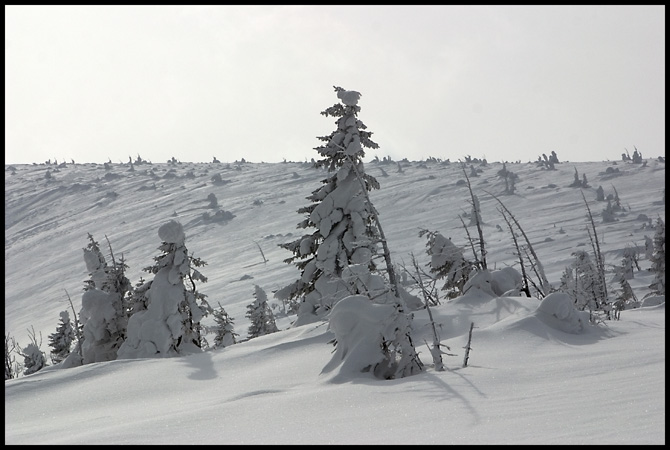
(608, 213)
(658, 259)
(577, 182)
(547, 162)
(510, 182)
(61, 341)
(616, 204)
(171, 324)
(213, 202)
(260, 314)
(225, 334)
(600, 194)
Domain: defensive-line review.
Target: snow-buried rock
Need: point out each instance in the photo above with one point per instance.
(172, 232)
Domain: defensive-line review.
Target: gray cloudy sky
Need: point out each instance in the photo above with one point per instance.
(93, 83)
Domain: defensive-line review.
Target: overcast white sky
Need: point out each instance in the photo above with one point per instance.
(93, 83)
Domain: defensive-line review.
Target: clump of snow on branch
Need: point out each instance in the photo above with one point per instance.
(349, 98)
(172, 232)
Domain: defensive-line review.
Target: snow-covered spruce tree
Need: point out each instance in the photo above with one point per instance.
(260, 315)
(447, 262)
(225, 334)
(103, 313)
(337, 260)
(344, 231)
(61, 341)
(170, 326)
(608, 213)
(658, 259)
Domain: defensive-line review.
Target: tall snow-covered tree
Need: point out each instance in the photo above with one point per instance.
(170, 326)
(337, 260)
(103, 314)
(260, 315)
(658, 259)
(344, 232)
(61, 341)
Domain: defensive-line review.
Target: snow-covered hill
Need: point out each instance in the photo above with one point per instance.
(528, 382)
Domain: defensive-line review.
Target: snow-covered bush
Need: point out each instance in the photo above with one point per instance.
(369, 340)
(447, 262)
(34, 359)
(170, 326)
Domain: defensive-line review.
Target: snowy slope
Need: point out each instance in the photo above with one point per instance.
(527, 382)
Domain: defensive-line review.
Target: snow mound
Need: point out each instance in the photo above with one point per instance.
(172, 232)
(359, 327)
(558, 311)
